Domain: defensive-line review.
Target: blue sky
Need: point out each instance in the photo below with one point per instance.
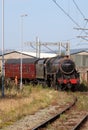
(45, 20)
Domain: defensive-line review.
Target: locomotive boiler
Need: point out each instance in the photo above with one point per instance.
(58, 72)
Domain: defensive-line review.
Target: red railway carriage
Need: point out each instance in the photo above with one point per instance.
(12, 68)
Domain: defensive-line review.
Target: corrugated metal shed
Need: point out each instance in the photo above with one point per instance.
(80, 58)
(14, 55)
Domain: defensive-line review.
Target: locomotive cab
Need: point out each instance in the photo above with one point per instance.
(40, 71)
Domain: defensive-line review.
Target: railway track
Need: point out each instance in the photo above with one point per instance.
(55, 116)
(71, 120)
(31, 122)
(82, 121)
(85, 125)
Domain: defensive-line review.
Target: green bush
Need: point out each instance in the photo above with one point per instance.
(83, 87)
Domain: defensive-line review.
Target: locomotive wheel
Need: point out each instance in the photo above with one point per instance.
(48, 83)
(74, 88)
(62, 87)
(69, 86)
(53, 85)
(58, 87)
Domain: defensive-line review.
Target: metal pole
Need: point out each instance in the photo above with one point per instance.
(21, 59)
(59, 49)
(68, 49)
(37, 47)
(21, 52)
(2, 48)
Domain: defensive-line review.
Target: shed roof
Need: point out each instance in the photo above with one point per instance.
(17, 61)
(75, 51)
(44, 55)
(32, 54)
(19, 52)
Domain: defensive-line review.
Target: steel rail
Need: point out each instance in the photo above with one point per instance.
(77, 127)
(50, 120)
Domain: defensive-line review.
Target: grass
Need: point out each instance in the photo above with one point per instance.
(19, 103)
(82, 103)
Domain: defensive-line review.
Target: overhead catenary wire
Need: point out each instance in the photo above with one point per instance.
(49, 49)
(70, 16)
(32, 46)
(84, 39)
(66, 13)
(81, 14)
(83, 18)
(78, 9)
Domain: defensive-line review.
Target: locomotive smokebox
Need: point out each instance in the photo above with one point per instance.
(67, 66)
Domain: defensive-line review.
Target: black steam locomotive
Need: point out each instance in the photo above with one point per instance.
(61, 73)
(58, 72)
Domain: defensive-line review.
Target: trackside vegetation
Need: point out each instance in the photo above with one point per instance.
(19, 103)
